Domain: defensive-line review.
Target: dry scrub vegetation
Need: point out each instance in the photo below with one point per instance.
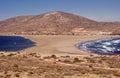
(33, 66)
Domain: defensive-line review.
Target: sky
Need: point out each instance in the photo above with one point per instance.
(99, 10)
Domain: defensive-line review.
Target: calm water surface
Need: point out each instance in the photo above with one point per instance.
(14, 43)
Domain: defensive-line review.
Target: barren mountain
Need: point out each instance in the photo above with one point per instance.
(56, 23)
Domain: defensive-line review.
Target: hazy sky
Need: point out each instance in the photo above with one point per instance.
(100, 10)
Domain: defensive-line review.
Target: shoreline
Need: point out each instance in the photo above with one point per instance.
(59, 44)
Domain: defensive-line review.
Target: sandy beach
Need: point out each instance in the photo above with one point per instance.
(59, 44)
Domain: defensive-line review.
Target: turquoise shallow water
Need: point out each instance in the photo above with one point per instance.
(104, 46)
(15, 43)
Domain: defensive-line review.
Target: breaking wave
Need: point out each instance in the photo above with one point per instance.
(104, 46)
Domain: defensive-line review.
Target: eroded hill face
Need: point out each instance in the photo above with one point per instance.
(55, 23)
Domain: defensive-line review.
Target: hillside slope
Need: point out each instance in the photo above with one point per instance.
(55, 23)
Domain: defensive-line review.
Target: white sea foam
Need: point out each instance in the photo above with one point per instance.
(104, 46)
(107, 43)
(116, 41)
(108, 48)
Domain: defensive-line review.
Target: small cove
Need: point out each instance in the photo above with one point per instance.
(15, 43)
(108, 46)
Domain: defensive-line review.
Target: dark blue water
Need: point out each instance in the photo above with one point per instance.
(107, 46)
(14, 43)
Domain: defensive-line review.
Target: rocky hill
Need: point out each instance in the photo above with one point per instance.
(56, 23)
